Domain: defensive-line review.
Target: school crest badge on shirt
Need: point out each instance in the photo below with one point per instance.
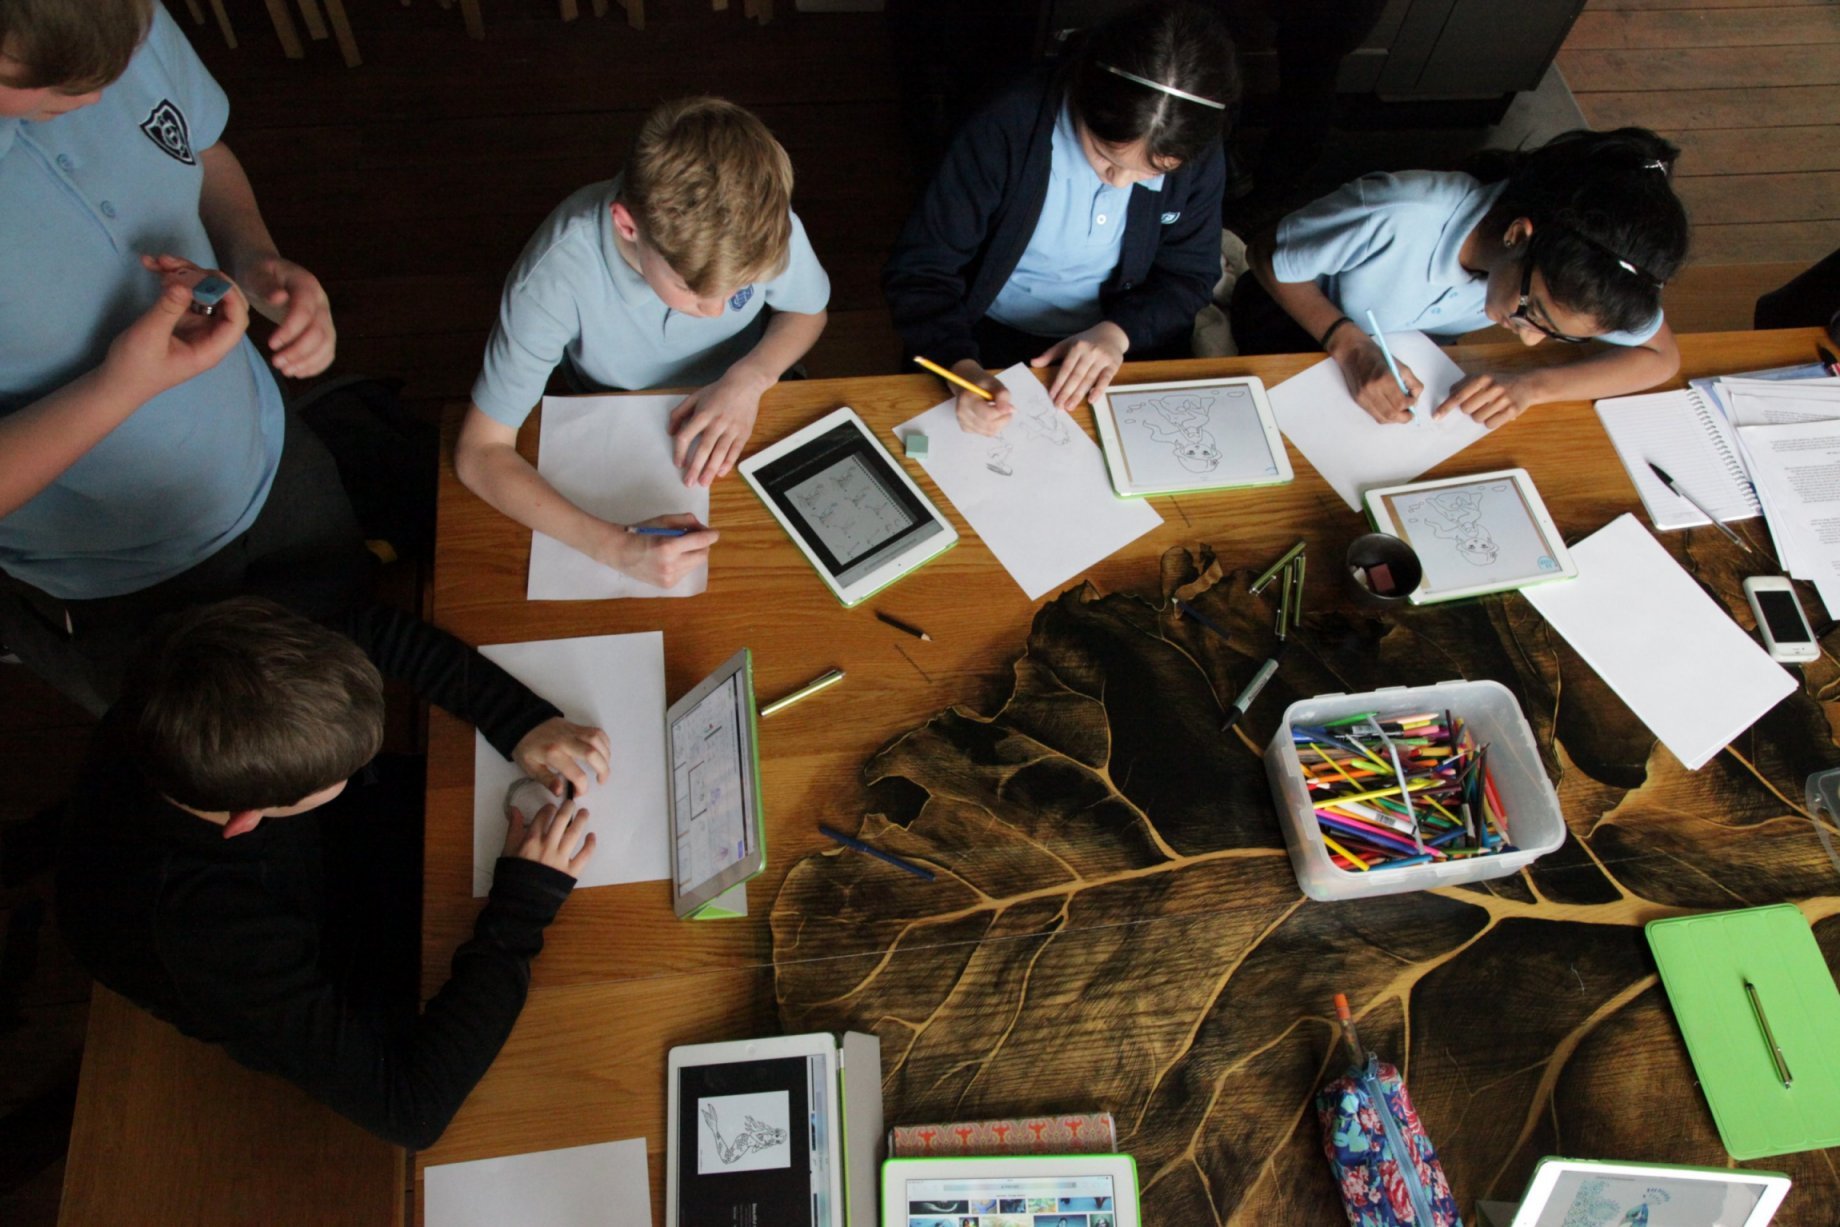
(1169, 219)
(165, 126)
(741, 297)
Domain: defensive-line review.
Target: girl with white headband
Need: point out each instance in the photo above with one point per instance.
(1569, 242)
(1076, 219)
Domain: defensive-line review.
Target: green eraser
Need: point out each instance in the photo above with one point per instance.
(916, 446)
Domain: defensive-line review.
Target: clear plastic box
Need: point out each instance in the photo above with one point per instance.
(1535, 824)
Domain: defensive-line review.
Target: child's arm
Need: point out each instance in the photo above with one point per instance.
(712, 424)
(162, 349)
(304, 343)
(1615, 370)
(487, 462)
(1363, 366)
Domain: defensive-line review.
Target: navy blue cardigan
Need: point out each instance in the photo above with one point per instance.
(970, 229)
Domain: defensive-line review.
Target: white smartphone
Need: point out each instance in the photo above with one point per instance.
(1780, 621)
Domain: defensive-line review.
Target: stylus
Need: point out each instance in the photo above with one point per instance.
(803, 692)
(850, 841)
(1769, 1037)
(1700, 507)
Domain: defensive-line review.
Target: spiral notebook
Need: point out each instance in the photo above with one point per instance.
(1684, 433)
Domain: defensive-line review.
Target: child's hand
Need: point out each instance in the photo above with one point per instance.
(1492, 400)
(305, 341)
(550, 836)
(171, 343)
(557, 750)
(1370, 380)
(659, 561)
(716, 421)
(1088, 361)
(975, 414)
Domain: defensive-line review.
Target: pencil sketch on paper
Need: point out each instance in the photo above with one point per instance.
(1182, 420)
(754, 1144)
(1036, 422)
(848, 509)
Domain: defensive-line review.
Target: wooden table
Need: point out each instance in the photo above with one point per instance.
(621, 980)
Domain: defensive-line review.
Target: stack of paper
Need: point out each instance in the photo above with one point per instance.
(1789, 433)
(582, 1186)
(1679, 661)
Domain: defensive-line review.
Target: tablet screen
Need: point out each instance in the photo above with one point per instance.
(710, 795)
(1011, 1201)
(1477, 534)
(840, 496)
(1657, 1198)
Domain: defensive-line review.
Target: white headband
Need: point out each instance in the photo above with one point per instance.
(1167, 89)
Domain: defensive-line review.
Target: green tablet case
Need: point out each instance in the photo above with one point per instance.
(1704, 962)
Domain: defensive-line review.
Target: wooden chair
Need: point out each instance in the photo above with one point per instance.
(331, 22)
(170, 1130)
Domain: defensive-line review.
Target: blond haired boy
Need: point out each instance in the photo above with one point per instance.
(688, 268)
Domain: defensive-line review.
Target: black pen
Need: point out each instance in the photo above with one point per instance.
(1700, 507)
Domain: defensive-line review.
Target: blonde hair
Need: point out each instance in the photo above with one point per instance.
(711, 191)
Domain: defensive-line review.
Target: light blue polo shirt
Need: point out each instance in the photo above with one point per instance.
(573, 293)
(1391, 243)
(1054, 291)
(82, 197)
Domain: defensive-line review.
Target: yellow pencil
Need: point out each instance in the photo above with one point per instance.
(1341, 851)
(949, 377)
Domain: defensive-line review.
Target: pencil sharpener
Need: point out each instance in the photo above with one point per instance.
(209, 293)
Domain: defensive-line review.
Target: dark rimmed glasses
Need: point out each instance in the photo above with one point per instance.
(1524, 312)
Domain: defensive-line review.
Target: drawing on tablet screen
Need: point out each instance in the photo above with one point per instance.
(1181, 420)
(1458, 520)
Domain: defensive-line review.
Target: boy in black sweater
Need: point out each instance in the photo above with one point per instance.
(214, 870)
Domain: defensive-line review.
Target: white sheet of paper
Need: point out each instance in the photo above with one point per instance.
(581, 1186)
(1796, 466)
(1038, 494)
(611, 457)
(1763, 402)
(1668, 650)
(1353, 452)
(613, 682)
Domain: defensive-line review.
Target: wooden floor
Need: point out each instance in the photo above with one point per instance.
(410, 184)
(1750, 91)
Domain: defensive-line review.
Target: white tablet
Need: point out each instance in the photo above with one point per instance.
(1486, 533)
(1011, 1191)
(1567, 1191)
(1190, 434)
(717, 828)
(751, 1134)
(860, 521)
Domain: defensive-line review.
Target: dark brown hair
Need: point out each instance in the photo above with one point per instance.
(1180, 45)
(242, 705)
(78, 45)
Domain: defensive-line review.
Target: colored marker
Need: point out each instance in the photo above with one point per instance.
(1387, 353)
(1700, 507)
(803, 692)
(899, 625)
(1251, 693)
(949, 377)
(653, 530)
(850, 841)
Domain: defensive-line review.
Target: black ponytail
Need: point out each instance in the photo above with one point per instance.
(1180, 45)
(1608, 230)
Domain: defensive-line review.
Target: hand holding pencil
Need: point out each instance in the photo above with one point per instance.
(984, 404)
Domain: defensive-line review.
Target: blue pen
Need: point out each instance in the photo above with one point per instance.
(1380, 340)
(648, 530)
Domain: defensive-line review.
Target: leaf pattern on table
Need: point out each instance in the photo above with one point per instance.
(1115, 923)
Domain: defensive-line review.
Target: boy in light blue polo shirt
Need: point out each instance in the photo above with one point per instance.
(688, 268)
(1569, 242)
(138, 442)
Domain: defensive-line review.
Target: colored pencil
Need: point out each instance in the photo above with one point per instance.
(949, 377)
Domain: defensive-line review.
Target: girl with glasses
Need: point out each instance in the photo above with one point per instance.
(1569, 242)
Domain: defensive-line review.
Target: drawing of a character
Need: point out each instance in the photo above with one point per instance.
(1183, 426)
(1037, 422)
(1462, 523)
(755, 1136)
